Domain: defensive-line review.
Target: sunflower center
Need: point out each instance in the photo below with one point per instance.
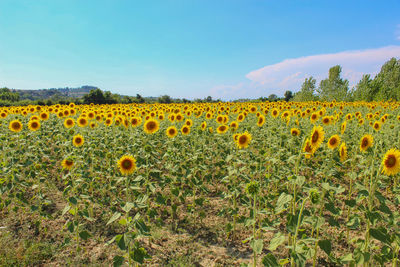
(151, 125)
(171, 131)
(315, 137)
(364, 142)
(390, 161)
(34, 124)
(69, 162)
(332, 141)
(126, 164)
(185, 130)
(15, 125)
(242, 139)
(78, 140)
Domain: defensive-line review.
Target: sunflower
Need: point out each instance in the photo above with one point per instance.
(78, 140)
(275, 113)
(185, 130)
(93, 125)
(343, 127)
(171, 131)
(326, 120)
(234, 125)
(219, 119)
(82, 122)
(391, 162)
(334, 141)
(203, 125)
(314, 117)
(295, 132)
(366, 142)
(127, 164)
(308, 149)
(222, 129)
(343, 152)
(240, 117)
(44, 116)
(108, 122)
(317, 136)
(235, 137)
(189, 122)
(179, 117)
(67, 164)
(377, 126)
(260, 120)
(243, 140)
(69, 123)
(15, 126)
(34, 125)
(151, 126)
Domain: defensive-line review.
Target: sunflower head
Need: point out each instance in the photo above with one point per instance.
(222, 129)
(151, 126)
(82, 122)
(78, 140)
(69, 123)
(67, 164)
(243, 140)
(127, 164)
(377, 126)
(334, 141)
(343, 152)
(295, 132)
(366, 142)
(260, 120)
(203, 125)
(15, 126)
(44, 116)
(317, 136)
(185, 130)
(34, 125)
(391, 162)
(171, 131)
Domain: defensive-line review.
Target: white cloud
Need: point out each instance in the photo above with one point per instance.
(289, 74)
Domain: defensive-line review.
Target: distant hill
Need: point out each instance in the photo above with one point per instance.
(42, 94)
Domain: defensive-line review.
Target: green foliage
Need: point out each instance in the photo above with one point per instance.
(307, 91)
(334, 87)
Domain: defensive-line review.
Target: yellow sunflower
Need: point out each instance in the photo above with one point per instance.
(151, 126)
(260, 120)
(275, 113)
(69, 123)
(295, 132)
(317, 136)
(82, 122)
(44, 116)
(171, 131)
(343, 127)
(234, 125)
(127, 164)
(203, 125)
(67, 164)
(185, 130)
(78, 140)
(34, 125)
(366, 142)
(377, 126)
(243, 140)
(334, 141)
(391, 162)
(222, 129)
(15, 126)
(343, 152)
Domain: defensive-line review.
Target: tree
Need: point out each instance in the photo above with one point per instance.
(386, 85)
(95, 96)
(209, 99)
(272, 97)
(288, 95)
(363, 90)
(7, 95)
(334, 87)
(307, 90)
(165, 99)
(139, 98)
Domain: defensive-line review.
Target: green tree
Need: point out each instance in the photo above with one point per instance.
(95, 96)
(7, 95)
(288, 95)
(334, 87)
(307, 90)
(165, 99)
(386, 85)
(363, 90)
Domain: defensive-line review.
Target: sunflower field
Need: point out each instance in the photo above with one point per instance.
(206, 184)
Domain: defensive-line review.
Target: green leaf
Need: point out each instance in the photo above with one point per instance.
(276, 241)
(118, 261)
(270, 261)
(73, 200)
(257, 245)
(380, 235)
(120, 240)
(84, 235)
(115, 216)
(326, 246)
(281, 204)
(128, 206)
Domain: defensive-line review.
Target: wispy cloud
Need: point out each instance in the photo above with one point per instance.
(289, 74)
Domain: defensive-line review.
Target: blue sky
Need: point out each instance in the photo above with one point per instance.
(227, 49)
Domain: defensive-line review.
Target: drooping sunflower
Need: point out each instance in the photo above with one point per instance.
(343, 152)
(366, 142)
(334, 141)
(69, 123)
(151, 126)
(317, 136)
(391, 162)
(243, 140)
(127, 164)
(260, 120)
(171, 131)
(308, 149)
(185, 130)
(67, 164)
(78, 140)
(15, 126)
(343, 127)
(34, 125)
(222, 129)
(295, 132)
(377, 126)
